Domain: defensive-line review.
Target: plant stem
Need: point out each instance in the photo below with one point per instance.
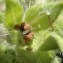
(50, 23)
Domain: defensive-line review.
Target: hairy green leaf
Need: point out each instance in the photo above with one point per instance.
(14, 12)
(49, 44)
(54, 41)
(41, 18)
(20, 56)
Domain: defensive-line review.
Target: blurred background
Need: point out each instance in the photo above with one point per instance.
(26, 4)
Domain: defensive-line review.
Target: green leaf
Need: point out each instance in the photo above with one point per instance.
(43, 55)
(55, 10)
(14, 13)
(38, 17)
(59, 21)
(49, 44)
(54, 41)
(22, 56)
(15, 38)
(33, 57)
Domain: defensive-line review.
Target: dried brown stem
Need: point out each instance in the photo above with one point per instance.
(50, 23)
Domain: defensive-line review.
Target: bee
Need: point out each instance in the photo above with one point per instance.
(26, 30)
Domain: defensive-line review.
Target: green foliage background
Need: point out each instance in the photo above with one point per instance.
(45, 17)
